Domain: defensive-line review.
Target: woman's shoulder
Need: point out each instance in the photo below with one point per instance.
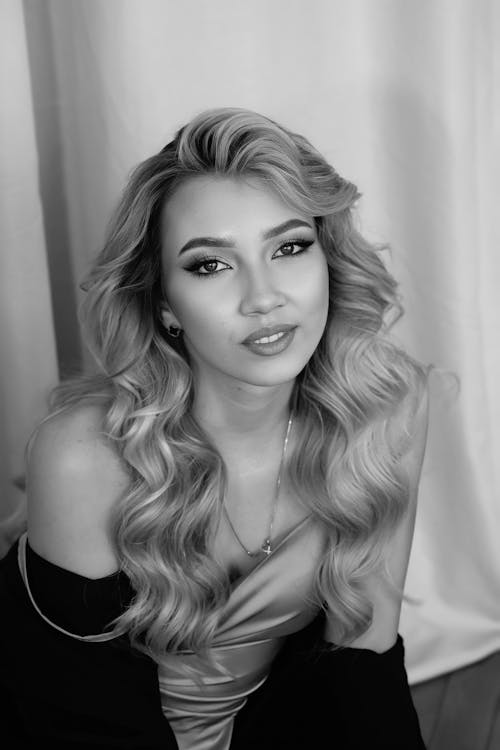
(77, 430)
(74, 479)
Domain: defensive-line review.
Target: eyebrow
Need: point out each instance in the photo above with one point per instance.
(228, 242)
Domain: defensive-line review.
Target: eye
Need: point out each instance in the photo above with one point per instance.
(293, 247)
(206, 266)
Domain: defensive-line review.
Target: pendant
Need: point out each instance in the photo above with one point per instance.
(266, 546)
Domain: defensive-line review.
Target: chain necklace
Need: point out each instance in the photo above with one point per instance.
(266, 544)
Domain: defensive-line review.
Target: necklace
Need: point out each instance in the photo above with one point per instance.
(266, 544)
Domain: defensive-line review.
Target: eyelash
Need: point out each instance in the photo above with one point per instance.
(202, 259)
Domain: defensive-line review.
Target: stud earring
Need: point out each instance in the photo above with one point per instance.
(174, 332)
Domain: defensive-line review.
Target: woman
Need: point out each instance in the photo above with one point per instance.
(234, 490)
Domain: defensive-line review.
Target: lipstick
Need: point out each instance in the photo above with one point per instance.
(270, 340)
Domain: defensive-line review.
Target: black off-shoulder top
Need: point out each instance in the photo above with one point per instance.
(71, 694)
(81, 605)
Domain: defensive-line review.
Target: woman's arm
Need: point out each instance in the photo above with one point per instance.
(351, 698)
(64, 688)
(381, 634)
(74, 479)
(61, 691)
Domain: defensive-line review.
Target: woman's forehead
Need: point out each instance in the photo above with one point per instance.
(213, 205)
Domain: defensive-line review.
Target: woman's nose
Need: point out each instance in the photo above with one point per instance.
(261, 294)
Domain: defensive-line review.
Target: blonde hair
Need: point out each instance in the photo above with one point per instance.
(357, 383)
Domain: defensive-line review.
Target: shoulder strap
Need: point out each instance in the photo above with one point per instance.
(97, 638)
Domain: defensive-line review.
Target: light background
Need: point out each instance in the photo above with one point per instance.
(400, 95)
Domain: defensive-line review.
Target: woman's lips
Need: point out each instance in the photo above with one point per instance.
(268, 331)
(271, 344)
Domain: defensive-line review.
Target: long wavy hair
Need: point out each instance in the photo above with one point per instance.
(353, 400)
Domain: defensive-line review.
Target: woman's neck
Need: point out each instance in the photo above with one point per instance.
(246, 415)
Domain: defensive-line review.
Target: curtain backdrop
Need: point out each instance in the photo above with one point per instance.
(28, 363)
(401, 96)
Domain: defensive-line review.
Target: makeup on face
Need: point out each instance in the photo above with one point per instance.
(229, 242)
(245, 278)
(270, 340)
(209, 264)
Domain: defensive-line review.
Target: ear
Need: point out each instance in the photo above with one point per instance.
(167, 317)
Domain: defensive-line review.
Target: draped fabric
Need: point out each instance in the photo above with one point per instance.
(28, 361)
(401, 96)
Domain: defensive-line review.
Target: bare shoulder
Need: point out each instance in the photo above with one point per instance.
(74, 479)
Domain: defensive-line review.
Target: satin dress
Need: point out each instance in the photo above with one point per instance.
(266, 605)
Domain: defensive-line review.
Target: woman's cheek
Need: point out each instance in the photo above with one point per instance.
(202, 323)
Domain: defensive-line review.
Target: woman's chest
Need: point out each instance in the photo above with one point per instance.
(255, 520)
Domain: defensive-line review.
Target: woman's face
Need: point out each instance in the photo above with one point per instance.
(237, 259)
